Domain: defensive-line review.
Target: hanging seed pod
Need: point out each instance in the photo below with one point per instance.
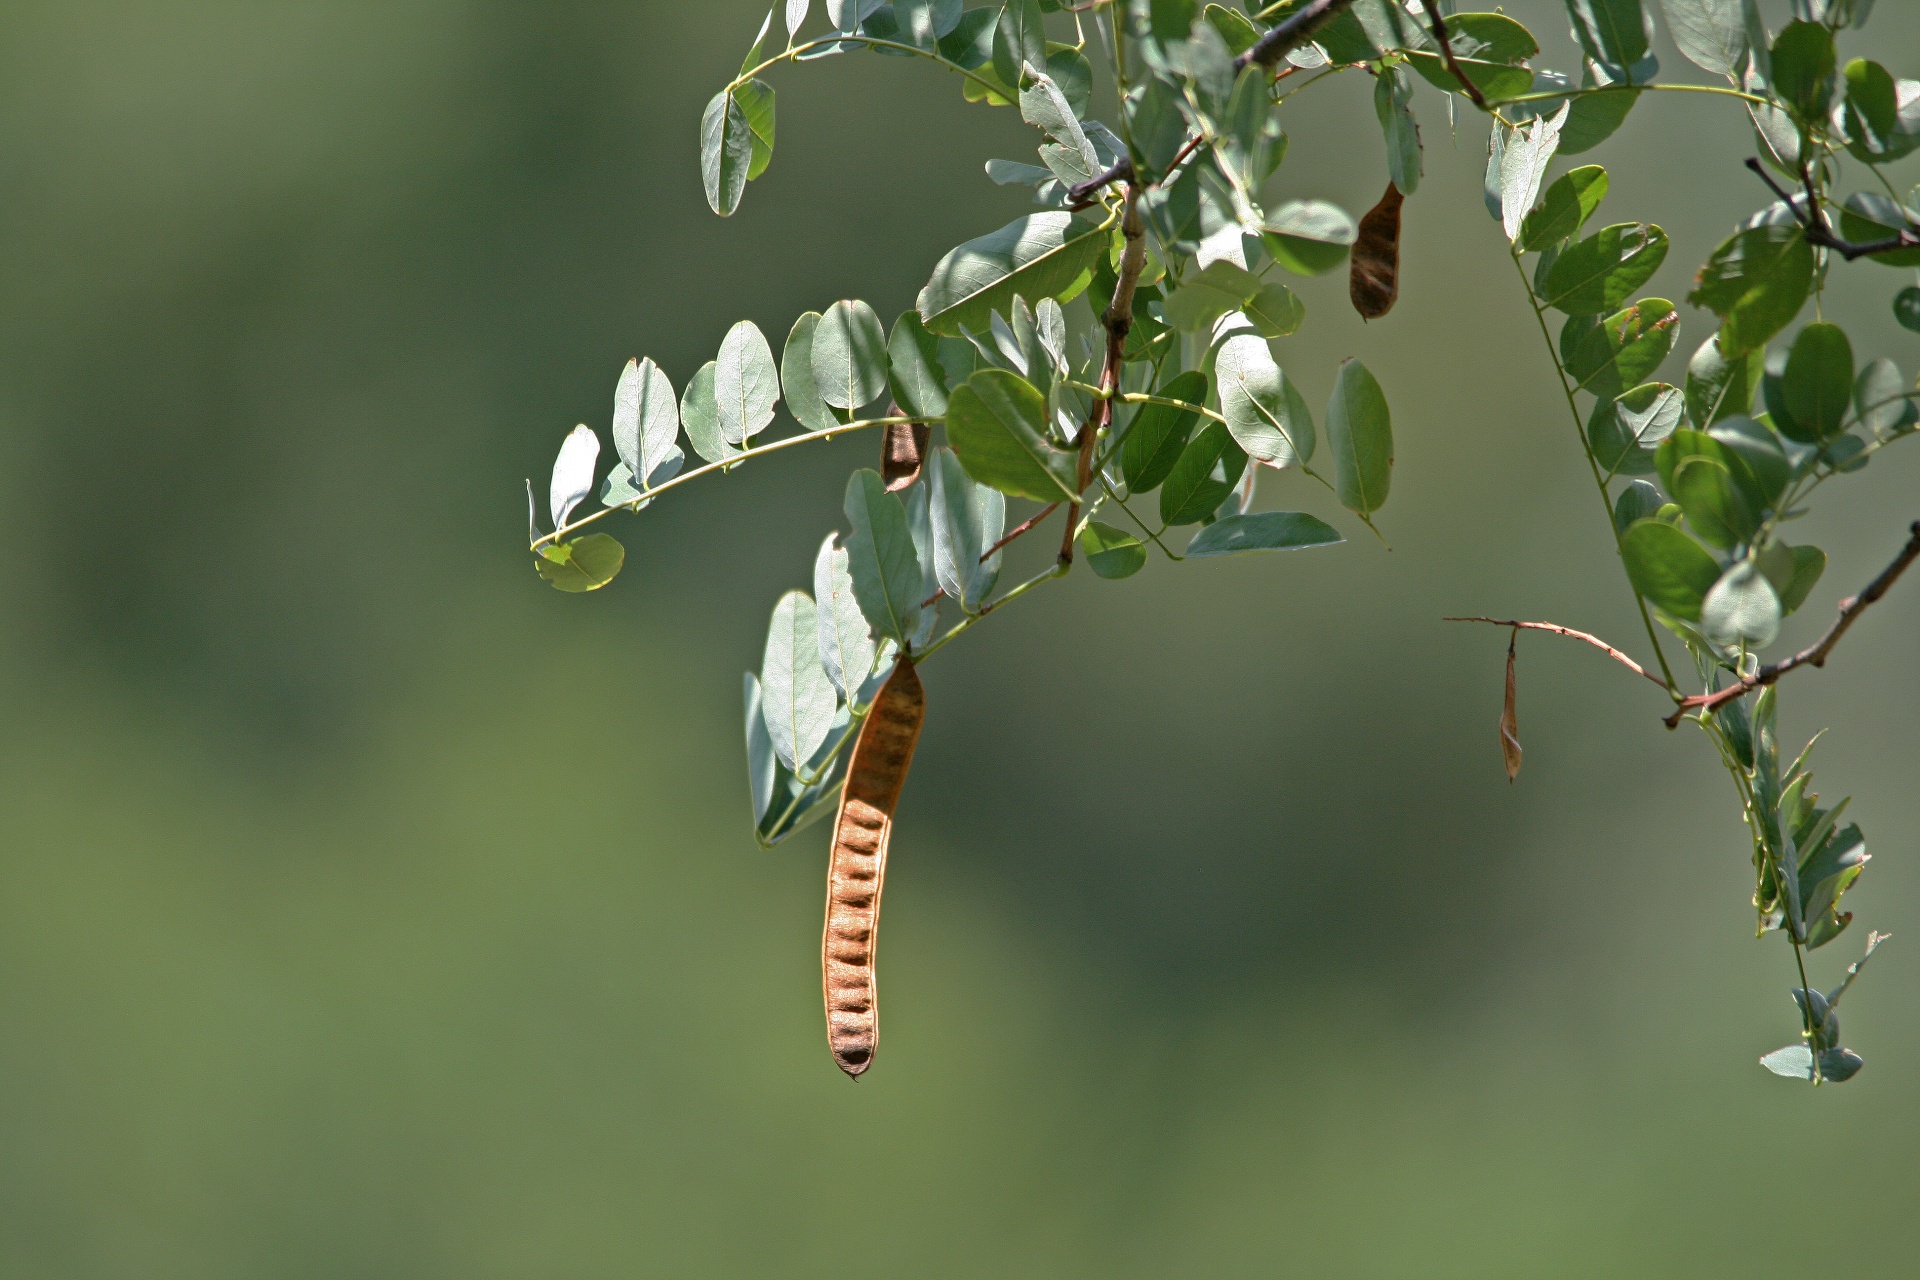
(902, 451)
(858, 866)
(1373, 276)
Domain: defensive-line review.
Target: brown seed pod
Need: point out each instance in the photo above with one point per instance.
(1373, 275)
(1510, 750)
(902, 451)
(858, 867)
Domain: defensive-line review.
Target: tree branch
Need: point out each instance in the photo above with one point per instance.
(1439, 24)
(1021, 528)
(1813, 221)
(1291, 34)
(1571, 634)
(1814, 655)
(1118, 320)
(1082, 195)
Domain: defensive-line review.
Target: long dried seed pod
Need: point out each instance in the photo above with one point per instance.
(858, 866)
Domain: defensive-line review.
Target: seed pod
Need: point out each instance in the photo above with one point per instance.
(902, 451)
(1510, 717)
(858, 867)
(1373, 275)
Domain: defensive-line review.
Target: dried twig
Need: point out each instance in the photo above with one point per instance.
(1813, 221)
(1439, 23)
(1291, 34)
(1571, 634)
(1814, 655)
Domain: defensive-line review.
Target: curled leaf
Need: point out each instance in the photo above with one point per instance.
(1373, 275)
(1510, 718)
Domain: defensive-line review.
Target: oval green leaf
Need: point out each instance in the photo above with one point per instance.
(1360, 433)
(1043, 255)
(1262, 531)
(996, 423)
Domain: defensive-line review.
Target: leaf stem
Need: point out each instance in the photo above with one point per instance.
(722, 465)
(1586, 451)
(1555, 95)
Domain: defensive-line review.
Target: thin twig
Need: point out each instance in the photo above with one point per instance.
(1439, 23)
(1021, 528)
(1571, 634)
(1118, 321)
(1291, 34)
(1082, 195)
(1815, 655)
(1814, 225)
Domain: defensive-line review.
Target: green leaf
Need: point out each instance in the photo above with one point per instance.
(1019, 38)
(1762, 450)
(1637, 501)
(1191, 492)
(1225, 286)
(1234, 28)
(1309, 237)
(1883, 401)
(1601, 272)
(796, 697)
(1867, 217)
(726, 152)
(1043, 255)
(1741, 608)
(920, 529)
(1668, 568)
(700, 415)
(1157, 127)
(1906, 308)
(756, 105)
(1818, 383)
(850, 356)
(1496, 81)
(847, 650)
(572, 473)
(746, 385)
(1623, 431)
(1275, 312)
(1803, 68)
(880, 557)
(1714, 485)
(1569, 202)
(1596, 116)
(1393, 104)
(796, 377)
(646, 419)
(925, 22)
(1525, 154)
(1794, 572)
(1159, 433)
(1111, 552)
(1712, 34)
(1360, 433)
(996, 423)
(967, 519)
(1716, 386)
(1755, 282)
(760, 763)
(918, 382)
(1621, 351)
(1264, 411)
(584, 564)
(1610, 31)
(1264, 531)
(1068, 68)
(1069, 155)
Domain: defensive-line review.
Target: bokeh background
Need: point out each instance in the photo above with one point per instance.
(369, 909)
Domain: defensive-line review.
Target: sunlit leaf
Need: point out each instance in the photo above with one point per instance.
(1043, 255)
(850, 356)
(797, 386)
(746, 385)
(846, 639)
(572, 473)
(1360, 434)
(1111, 552)
(1668, 568)
(584, 564)
(997, 423)
(1264, 410)
(880, 557)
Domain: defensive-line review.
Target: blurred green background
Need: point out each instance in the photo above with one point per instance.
(369, 909)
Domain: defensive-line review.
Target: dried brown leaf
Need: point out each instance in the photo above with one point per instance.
(1510, 718)
(1373, 274)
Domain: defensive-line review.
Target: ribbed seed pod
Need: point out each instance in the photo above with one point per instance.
(858, 867)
